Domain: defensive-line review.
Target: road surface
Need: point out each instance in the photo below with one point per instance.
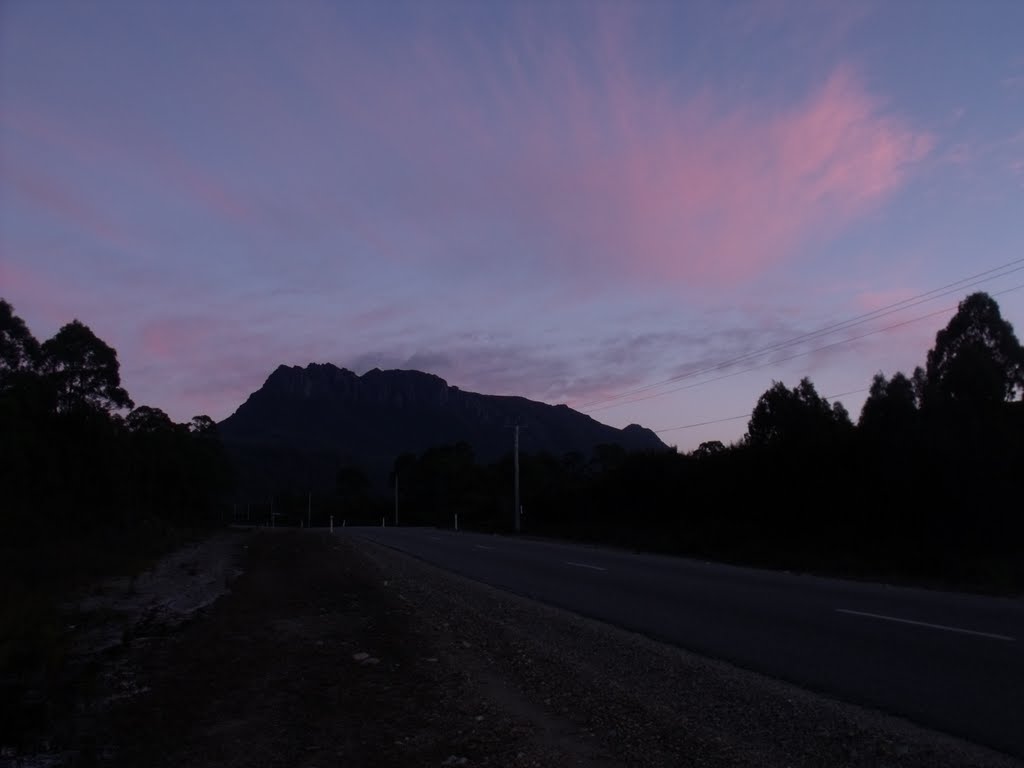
(947, 661)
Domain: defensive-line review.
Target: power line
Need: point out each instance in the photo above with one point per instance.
(774, 362)
(898, 306)
(747, 415)
(785, 359)
(702, 423)
(827, 397)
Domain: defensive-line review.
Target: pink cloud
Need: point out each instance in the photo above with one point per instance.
(874, 300)
(204, 189)
(173, 339)
(605, 170)
(592, 165)
(696, 195)
(147, 150)
(35, 297)
(60, 202)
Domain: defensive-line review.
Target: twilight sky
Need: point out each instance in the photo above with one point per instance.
(566, 201)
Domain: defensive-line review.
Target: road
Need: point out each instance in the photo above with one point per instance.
(947, 661)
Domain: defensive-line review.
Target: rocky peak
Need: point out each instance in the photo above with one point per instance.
(326, 381)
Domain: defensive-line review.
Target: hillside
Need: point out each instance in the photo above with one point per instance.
(303, 423)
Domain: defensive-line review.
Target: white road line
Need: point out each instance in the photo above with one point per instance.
(482, 546)
(584, 565)
(926, 624)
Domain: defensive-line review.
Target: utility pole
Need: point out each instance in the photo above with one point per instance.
(515, 460)
(396, 498)
(309, 511)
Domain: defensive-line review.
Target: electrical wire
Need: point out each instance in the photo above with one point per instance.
(775, 362)
(747, 415)
(899, 306)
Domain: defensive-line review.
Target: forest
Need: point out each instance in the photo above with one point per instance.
(925, 486)
(78, 458)
(90, 487)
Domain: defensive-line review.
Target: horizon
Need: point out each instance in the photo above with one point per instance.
(642, 212)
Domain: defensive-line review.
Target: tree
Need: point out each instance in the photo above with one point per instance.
(83, 370)
(798, 415)
(145, 420)
(709, 448)
(977, 360)
(19, 351)
(352, 485)
(607, 457)
(891, 406)
(203, 426)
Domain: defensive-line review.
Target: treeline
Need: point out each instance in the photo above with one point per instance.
(926, 485)
(78, 459)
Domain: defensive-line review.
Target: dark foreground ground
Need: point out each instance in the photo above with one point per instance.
(332, 651)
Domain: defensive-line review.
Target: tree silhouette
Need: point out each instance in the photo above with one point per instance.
(891, 406)
(977, 360)
(147, 420)
(795, 416)
(352, 485)
(709, 448)
(19, 351)
(202, 426)
(83, 370)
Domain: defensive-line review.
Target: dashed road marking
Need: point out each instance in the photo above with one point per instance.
(585, 565)
(926, 624)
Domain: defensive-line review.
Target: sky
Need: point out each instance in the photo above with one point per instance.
(645, 210)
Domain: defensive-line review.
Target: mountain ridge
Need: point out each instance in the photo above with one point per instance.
(304, 422)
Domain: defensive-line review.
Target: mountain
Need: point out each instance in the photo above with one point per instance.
(303, 423)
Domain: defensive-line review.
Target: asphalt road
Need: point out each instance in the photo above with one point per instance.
(948, 661)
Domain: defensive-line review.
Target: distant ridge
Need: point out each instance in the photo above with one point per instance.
(305, 422)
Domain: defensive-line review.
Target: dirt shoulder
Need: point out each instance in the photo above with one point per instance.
(329, 650)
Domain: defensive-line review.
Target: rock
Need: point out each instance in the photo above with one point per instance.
(455, 760)
(360, 656)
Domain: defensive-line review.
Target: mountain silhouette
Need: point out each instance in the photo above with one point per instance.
(303, 423)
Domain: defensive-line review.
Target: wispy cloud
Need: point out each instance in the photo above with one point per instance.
(363, 193)
(608, 170)
(62, 205)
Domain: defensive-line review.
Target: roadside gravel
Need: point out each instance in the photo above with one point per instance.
(304, 649)
(605, 696)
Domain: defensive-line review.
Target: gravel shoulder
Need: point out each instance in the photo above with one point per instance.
(331, 650)
(635, 701)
